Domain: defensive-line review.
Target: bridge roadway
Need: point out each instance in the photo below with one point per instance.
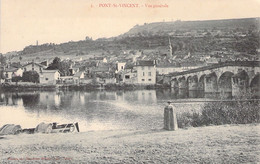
(227, 79)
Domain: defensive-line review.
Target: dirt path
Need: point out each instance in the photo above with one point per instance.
(213, 144)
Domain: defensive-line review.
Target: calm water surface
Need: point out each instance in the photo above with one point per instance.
(98, 110)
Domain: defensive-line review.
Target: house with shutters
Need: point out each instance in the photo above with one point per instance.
(146, 72)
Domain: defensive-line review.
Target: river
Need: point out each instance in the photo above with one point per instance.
(95, 110)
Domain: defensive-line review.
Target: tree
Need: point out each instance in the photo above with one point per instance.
(62, 66)
(2, 76)
(30, 76)
(2, 59)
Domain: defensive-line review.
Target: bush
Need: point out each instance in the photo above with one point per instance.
(16, 79)
(219, 113)
(30, 76)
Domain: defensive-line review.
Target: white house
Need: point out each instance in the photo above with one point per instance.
(49, 76)
(146, 72)
(78, 77)
(120, 66)
(11, 72)
(34, 67)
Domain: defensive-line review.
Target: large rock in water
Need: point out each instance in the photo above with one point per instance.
(10, 129)
(43, 128)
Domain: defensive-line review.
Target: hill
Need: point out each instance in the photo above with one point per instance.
(168, 27)
(235, 37)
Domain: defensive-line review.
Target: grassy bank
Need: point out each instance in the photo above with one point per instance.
(212, 144)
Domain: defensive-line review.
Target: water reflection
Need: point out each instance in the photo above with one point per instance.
(100, 110)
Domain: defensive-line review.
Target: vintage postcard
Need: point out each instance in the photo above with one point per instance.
(129, 81)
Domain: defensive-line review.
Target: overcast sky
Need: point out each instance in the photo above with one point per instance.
(56, 21)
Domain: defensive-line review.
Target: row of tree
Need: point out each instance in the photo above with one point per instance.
(28, 76)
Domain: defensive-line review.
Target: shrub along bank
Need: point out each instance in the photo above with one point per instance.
(241, 111)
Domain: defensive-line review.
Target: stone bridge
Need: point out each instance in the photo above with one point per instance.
(224, 79)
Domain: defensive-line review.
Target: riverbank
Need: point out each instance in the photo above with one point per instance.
(211, 144)
(74, 87)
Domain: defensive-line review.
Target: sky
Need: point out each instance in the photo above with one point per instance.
(23, 22)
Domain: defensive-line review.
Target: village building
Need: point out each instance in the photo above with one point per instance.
(11, 72)
(33, 67)
(66, 80)
(103, 75)
(120, 66)
(49, 77)
(130, 75)
(78, 77)
(146, 72)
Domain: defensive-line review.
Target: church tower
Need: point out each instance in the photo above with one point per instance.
(170, 48)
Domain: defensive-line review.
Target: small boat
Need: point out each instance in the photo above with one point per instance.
(41, 128)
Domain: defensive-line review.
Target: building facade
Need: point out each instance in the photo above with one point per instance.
(49, 77)
(33, 67)
(146, 72)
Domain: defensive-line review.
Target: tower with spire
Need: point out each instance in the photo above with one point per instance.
(170, 48)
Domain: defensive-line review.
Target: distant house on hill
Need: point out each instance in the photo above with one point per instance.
(99, 59)
(49, 77)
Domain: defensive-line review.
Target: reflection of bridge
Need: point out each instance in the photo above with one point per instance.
(227, 79)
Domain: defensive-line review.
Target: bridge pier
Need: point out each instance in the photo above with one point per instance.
(225, 85)
(211, 85)
(174, 83)
(193, 87)
(182, 87)
(201, 87)
(240, 83)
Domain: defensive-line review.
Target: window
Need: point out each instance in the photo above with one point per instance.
(142, 79)
(46, 79)
(122, 67)
(149, 79)
(149, 73)
(127, 76)
(143, 74)
(33, 69)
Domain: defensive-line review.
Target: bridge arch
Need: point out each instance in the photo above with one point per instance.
(225, 84)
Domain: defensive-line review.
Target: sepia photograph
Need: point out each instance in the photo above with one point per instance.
(129, 81)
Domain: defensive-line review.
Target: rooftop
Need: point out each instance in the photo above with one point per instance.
(145, 63)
